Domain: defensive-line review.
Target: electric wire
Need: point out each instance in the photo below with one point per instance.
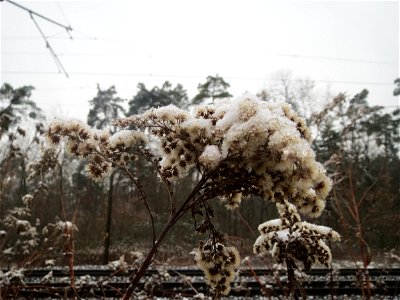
(296, 56)
(23, 72)
(65, 18)
(67, 28)
(62, 13)
(338, 59)
(48, 46)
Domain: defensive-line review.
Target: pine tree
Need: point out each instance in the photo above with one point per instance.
(215, 87)
(157, 97)
(106, 107)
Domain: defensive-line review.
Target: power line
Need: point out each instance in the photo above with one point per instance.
(338, 59)
(48, 46)
(67, 28)
(63, 14)
(38, 37)
(190, 76)
(72, 53)
(53, 53)
(85, 37)
(56, 34)
(66, 88)
(274, 54)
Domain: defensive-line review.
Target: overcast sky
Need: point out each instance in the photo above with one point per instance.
(346, 46)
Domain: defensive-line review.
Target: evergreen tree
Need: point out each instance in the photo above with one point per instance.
(17, 111)
(215, 87)
(360, 142)
(157, 97)
(15, 104)
(106, 108)
(396, 91)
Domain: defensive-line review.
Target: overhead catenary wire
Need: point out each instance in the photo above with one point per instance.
(338, 59)
(87, 87)
(52, 37)
(296, 56)
(25, 72)
(48, 46)
(65, 18)
(62, 13)
(67, 28)
(55, 34)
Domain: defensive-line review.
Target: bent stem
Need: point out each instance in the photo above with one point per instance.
(135, 278)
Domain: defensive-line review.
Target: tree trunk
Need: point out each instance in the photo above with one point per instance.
(108, 221)
(23, 189)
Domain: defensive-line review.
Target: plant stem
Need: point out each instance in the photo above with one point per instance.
(173, 219)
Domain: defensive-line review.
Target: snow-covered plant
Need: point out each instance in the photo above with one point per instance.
(47, 161)
(17, 221)
(60, 233)
(23, 239)
(288, 238)
(218, 263)
(22, 243)
(10, 281)
(119, 264)
(13, 276)
(60, 237)
(240, 147)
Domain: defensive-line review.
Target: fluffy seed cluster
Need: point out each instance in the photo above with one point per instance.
(289, 237)
(97, 146)
(48, 160)
(254, 147)
(218, 263)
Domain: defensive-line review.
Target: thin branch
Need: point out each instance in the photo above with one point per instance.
(254, 274)
(166, 182)
(138, 186)
(173, 219)
(244, 221)
(370, 187)
(143, 197)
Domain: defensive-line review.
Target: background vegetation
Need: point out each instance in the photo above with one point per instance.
(359, 144)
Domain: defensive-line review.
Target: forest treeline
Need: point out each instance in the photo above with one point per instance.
(41, 186)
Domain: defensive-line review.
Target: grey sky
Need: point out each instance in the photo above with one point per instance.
(184, 41)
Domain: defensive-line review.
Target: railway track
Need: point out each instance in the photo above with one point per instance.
(105, 283)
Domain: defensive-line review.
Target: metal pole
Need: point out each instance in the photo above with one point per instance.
(68, 28)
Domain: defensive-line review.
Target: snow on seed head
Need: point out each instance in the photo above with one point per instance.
(127, 138)
(210, 156)
(171, 113)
